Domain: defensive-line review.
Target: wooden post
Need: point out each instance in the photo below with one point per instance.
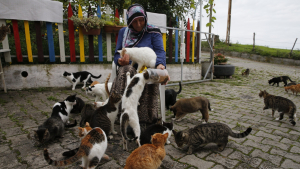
(39, 42)
(198, 41)
(293, 47)
(50, 41)
(253, 41)
(193, 41)
(228, 23)
(61, 42)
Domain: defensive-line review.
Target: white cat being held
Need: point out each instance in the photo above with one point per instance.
(143, 56)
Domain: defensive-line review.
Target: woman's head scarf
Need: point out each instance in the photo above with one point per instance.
(132, 37)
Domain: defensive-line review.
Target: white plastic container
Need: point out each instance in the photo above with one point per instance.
(158, 76)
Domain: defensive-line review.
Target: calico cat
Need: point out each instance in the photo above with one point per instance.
(4, 30)
(171, 95)
(79, 77)
(281, 104)
(148, 156)
(82, 133)
(207, 133)
(143, 56)
(191, 105)
(63, 109)
(156, 128)
(53, 127)
(246, 72)
(77, 108)
(129, 116)
(279, 79)
(91, 150)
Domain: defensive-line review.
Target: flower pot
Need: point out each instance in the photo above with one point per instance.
(224, 70)
(112, 29)
(91, 31)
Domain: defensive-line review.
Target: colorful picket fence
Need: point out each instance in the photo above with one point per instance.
(190, 50)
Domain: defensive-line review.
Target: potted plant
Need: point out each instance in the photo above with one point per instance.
(90, 25)
(112, 24)
(221, 68)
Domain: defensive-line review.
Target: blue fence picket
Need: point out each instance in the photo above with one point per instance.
(100, 38)
(50, 41)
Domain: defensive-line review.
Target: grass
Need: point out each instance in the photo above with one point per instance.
(52, 98)
(221, 47)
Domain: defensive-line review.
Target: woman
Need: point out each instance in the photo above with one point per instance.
(139, 33)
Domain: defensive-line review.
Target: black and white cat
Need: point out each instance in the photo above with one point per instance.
(63, 109)
(130, 101)
(79, 77)
(98, 90)
(171, 95)
(156, 128)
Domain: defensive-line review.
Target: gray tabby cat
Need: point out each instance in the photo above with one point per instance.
(4, 30)
(207, 133)
(281, 104)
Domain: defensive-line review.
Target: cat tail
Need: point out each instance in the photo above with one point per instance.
(179, 88)
(71, 125)
(66, 162)
(96, 77)
(240, 135)
(290, 79)
(124, 125)
(70, 153)
(292, 117)
(106, 84)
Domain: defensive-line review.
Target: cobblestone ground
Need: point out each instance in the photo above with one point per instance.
(271, 144)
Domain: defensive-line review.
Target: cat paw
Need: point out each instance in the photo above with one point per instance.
(179, 120)
(114, 132)
(128, 74)
(110, 137)
(277, 119)
(73, 89)
(173, 118)
(168, 142)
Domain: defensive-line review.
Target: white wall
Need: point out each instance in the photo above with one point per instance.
(42, 75)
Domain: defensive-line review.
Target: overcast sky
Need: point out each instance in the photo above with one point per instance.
(276, 23)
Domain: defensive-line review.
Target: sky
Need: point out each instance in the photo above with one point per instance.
(276, 23)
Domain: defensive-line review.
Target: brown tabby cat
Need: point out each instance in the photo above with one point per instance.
(281, 104)
(191, 105)
(207, 133)
(246, 72)
(148, 156)
(91, 150)
(4, 30)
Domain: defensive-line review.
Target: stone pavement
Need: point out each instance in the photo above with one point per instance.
(271, 144)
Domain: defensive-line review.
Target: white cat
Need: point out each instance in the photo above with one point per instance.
(98, 90)
(100, 104)
(78, 77)
(143, 56)
(131, 96)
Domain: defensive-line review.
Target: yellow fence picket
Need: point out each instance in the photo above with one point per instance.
(81, 38)
(28, 42)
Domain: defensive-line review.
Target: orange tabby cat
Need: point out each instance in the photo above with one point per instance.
(287, 88)
(148, 156)
(293, 88)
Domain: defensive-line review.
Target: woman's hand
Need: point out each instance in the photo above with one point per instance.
(124, 60)
(160, 66)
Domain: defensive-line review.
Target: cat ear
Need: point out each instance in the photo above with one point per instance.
(46, 132)
(119, 51)
(174, 132)
(166, 135)
(182, 136)
(87, 124)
